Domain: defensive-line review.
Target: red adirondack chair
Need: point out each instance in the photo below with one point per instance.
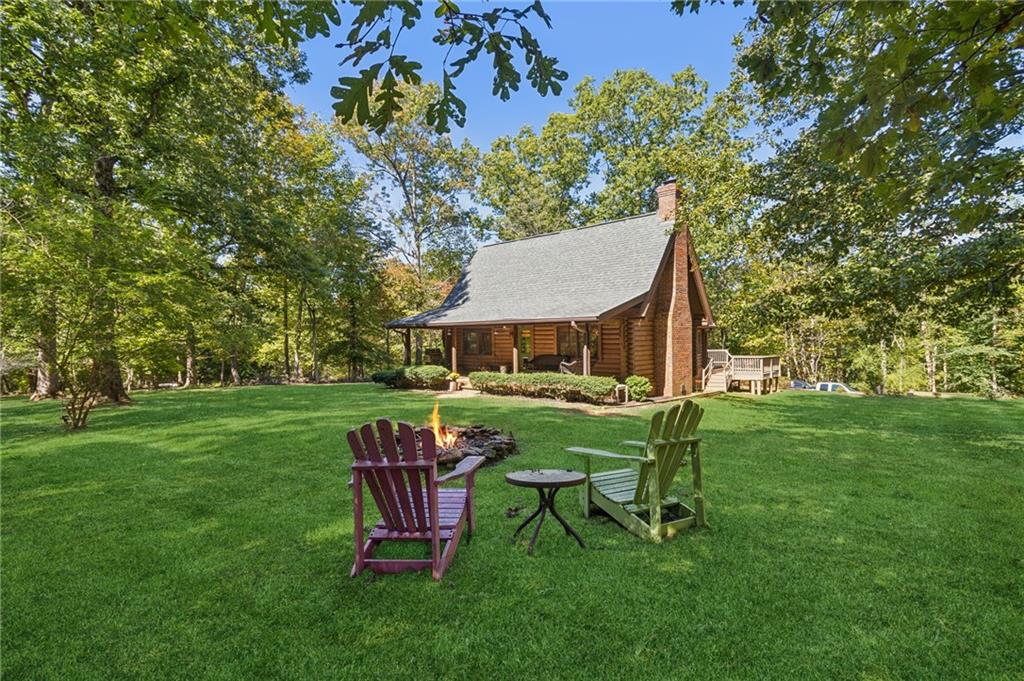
(407, 490)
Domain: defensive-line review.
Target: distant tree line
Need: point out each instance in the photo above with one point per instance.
(170, 217)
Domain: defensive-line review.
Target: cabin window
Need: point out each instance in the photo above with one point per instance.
(476, 341)
(570, 342)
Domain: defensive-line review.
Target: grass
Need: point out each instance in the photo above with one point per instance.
(208, 534)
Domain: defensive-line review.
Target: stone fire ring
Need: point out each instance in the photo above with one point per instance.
(490, 443)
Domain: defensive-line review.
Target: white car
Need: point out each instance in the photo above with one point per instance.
(835, 387)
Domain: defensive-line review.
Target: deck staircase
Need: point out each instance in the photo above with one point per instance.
(718, 381)
(717, 373)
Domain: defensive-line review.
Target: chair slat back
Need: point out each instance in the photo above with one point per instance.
(408, 440)
(673, 454)
(653, 433)
(397, 491)
(666, 443)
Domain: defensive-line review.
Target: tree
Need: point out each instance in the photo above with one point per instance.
(373, 96)
(629, 134)
(534, 182)
(109, 141)
(919, 101)
(179, 188)
(339, 296)
(426, 180)
(500, 32)
(876, 74)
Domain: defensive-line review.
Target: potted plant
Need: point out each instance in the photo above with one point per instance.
(453, 381)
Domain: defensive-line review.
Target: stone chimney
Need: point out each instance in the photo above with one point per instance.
(668, 194)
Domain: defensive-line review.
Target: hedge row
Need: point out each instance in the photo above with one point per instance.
(429, 376)
(568, 387)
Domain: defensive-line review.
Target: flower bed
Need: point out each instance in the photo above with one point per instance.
(568, 387)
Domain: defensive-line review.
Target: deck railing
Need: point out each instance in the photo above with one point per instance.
(756, 366)
(719, 357)
(741, 367)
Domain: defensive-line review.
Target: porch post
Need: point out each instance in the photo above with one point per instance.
(515, 348)
(407, 340)
(455, 353)
(586, 349)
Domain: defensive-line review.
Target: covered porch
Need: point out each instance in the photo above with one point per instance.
(570, 346)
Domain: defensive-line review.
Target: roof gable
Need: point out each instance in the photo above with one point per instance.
(578, 274)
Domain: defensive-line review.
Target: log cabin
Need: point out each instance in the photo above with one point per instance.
(615, 298)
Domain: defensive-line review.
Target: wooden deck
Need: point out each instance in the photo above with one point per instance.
(724, 370)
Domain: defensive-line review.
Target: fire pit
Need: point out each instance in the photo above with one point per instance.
(455, 443)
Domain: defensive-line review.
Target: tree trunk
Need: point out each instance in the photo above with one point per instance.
(929, 357)
(47, 374)
(287, 353)
(223, 366)
(235, 378)
(298, 334)
(993, 376)
(900, 343)
(106, 366)
(353, 338)
(419, 347)
(190, 356)
(884, 365)
(314, 350)
(929, 363)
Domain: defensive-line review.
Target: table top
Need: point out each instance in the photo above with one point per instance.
(546, 477)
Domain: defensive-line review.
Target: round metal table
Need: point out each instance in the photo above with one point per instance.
(547, 482)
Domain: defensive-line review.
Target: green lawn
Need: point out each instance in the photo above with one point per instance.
(208, 534)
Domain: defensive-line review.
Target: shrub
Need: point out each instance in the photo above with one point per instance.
(639, 388)
(568, 387)
(387, 376)
(427, 376)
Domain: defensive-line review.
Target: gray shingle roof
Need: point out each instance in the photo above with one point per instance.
(577, 274)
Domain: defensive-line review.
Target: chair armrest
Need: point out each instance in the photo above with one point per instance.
(584, 451)
(680, 441)
(635, 444)
(467, 466)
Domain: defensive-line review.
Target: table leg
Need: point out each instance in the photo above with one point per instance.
(529, 518)
(565, 523)
(546, 502)
(540, 521)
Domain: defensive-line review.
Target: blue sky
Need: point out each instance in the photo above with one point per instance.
(589, 39)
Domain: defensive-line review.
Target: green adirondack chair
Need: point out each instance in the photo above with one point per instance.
(638, 497)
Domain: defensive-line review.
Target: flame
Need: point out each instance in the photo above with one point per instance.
(445, 438)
